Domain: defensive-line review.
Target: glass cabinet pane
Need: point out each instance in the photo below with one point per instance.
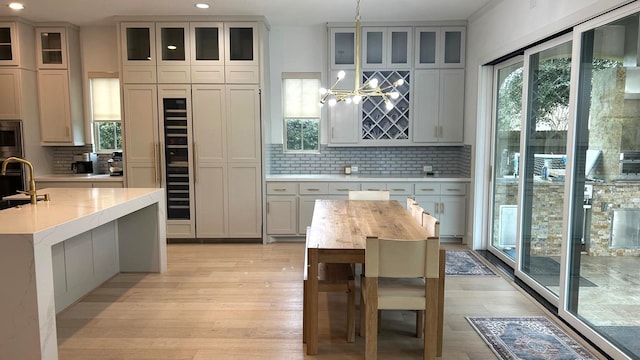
(51, 43)
(374, 47)
(173, 48)
(138, 44)
(428, 46)
(241, 44)
(206, 43)
(452, 47)
(399, 47)
(5, 44)
(344, 48)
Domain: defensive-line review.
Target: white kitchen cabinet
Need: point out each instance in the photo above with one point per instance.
(447, 202)
(438, 106)
(141, 139)
(16, 45)
(309, 192)
(343, 48)
(243, 123)
(138, 49)
(62, 184)
(60, 87)
(241, 44)
(344, 121)
(245, 200)
(173, 53)
(9, 54)
(10, 94)
(282, 214)
(440, 47)
(387, 47)
(207, 52)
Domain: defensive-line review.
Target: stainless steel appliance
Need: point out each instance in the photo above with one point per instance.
(86, 163)
(11, 145)
(116, 167)
(630, 165)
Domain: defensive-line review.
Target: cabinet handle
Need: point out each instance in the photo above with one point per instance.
(313, 189)
(195, 162)
(267, 208)
(279, 189)
(67, 129)
(453, 189)
(159, 171)
(442, 208)
(342, 189)
(427, 190)
(155, 162)
(398, 189)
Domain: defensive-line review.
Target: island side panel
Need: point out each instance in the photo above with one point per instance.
(142, 242)
(19, 321)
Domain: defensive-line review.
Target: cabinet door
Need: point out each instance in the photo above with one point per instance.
(430, 204)
(211, 200)
(10, 98)
(427, 46)
(241, 44)
(452, 46)
(51, 47)
(374, 47)
(243, 123)
(141, 136)
(207, 43)
(343, 117)
(426, 105)
(172, 43)
(305, 213)
(55, 113)
(138, 43)
(8, 44)
(451, 105)
(343, 48)
(400, 44)
(281, 215)
(452, 212)
(245, 204)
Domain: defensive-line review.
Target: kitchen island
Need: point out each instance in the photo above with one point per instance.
(57, 251)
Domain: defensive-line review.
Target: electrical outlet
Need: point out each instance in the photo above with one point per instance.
(427, 168)
(354, 169)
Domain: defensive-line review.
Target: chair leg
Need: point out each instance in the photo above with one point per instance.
(351, 312)
(304, 312)
(371, 319)
(441, 271)
(419, 323)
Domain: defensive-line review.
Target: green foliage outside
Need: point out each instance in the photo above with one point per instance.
(302, 135)
(109, 135)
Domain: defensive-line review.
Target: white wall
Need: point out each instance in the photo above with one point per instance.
(294, 49)
(99, 52)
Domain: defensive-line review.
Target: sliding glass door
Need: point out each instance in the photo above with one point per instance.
(507, 112)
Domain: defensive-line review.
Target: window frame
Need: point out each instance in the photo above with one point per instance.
(285, 119)
(94, 128)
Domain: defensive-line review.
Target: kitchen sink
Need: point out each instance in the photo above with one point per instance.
(6, 204)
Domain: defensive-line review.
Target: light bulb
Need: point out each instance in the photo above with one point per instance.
(356, 99)
(394, 95)
(323, 91)
(332, 102)
(399, 82)
(388, 105)
(348, 100)
(341, 75)
(16, 6)
(373, 83)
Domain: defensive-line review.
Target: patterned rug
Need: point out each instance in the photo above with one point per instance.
(528, 338)
(465, 263)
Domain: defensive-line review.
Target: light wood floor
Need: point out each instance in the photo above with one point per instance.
(244, 301)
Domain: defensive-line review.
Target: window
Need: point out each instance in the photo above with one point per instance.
(301, 112)
(105, 113)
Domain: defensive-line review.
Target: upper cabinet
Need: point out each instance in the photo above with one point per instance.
(343, 48)
(173, 53)
(51, 48)
(241, 53)
(138, 52)
(16, 45)
(440, 47)
(386, 47)
(207, 52)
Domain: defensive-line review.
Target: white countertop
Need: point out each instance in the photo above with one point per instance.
(78, 177)
(72, 207)
(353, 177)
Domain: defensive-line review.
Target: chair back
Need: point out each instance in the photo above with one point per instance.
(431, 224)
(395, 258)
(410, 202)
(417, 212)
(369, 195)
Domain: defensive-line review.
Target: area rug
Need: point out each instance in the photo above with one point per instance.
(465, 263)
(528, 338)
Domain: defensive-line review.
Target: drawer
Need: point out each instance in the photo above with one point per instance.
(453, 189)
(373, 186)
(427, 188)
(311, 188)
(343, 188)
(400, 188)
(282, 188)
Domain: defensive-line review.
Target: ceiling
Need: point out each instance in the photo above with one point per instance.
(277, 12)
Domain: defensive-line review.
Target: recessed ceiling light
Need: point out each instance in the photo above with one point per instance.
(16, 6)
(202, 6)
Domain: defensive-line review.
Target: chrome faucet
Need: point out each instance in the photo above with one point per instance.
(32, 181)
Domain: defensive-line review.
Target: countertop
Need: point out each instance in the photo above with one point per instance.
(74, 207)
(362, 177)
(79, 177)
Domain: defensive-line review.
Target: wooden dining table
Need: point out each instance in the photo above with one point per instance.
(338, 233)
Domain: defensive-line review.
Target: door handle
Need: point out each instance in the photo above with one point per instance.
(195, 163)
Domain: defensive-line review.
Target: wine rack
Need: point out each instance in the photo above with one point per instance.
(176, 151)
(378, 123)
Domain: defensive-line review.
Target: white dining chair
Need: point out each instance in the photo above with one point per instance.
(369, 195)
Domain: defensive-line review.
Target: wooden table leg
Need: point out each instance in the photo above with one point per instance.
(312, 303)
(371, 319)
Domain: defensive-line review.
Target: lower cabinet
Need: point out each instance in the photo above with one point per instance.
(78, 184)
(290, 204)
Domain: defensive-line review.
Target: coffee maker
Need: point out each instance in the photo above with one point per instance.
(86, 163)
(116, 167)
